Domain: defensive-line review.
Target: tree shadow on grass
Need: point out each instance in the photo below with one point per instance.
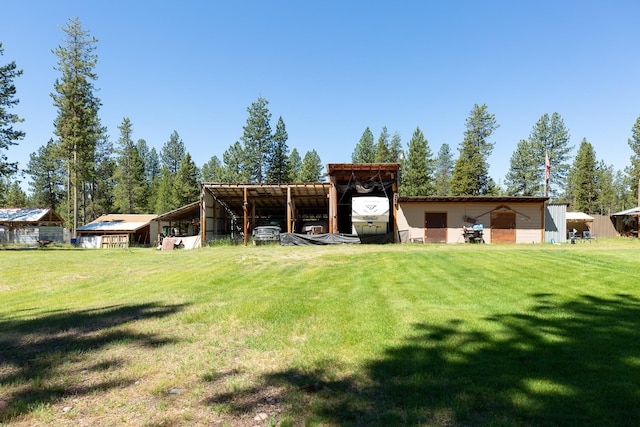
(34, 352)
(559, 363)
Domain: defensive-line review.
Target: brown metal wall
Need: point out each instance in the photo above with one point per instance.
(602, 226)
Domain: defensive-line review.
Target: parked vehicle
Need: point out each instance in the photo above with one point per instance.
(266, 233)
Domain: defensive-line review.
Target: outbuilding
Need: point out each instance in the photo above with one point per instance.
(28, 226)
(117, 230)
(626, 222)
(479, 219)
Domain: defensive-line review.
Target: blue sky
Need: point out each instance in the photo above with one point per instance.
(332, 68)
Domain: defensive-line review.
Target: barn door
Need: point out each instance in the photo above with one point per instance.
(503, 227)
(435, 227)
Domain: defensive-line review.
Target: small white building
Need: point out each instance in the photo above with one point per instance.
(28, 226)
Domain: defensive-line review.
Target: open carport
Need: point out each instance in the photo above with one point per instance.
(233, 208)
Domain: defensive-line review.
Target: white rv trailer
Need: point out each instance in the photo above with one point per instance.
(369, 215)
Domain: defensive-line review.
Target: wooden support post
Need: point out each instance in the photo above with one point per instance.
(333, 206)
(203, 217)
(246, 219)
(289, 207)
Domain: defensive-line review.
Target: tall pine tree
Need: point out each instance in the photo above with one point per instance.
(8, 135)
(471, 173)
(633, 171)
(213, 170)
(311, 170)
(365, 151)
(417, 178)
(77, 125)
(278, 156)
(47, 173)
(395, 149)
(383, 151)
(256, 139)
(550, 137)
(172, 153)
(234, 165)
(443, 171)
(186, 187)
(130, 192)
(523, 178)
(583, 180)
(295, 166)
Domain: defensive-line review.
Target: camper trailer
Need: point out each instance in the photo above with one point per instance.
(369, 215)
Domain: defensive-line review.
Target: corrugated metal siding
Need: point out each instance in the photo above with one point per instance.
(24, 236)
(555, 223)
(55, 234)
(89, 242)
(602, 226)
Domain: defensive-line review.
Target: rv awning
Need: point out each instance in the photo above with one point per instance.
(579, 217)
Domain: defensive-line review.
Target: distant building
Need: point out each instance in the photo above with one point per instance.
(28, 226)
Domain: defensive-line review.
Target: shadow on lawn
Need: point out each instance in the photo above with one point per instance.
(559, 363)
(36, 352)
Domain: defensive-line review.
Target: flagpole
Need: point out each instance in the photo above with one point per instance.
(547, 170)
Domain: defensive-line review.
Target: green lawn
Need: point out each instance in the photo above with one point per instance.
(445, 335)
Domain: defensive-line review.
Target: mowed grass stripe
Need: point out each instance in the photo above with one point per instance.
(350, 335)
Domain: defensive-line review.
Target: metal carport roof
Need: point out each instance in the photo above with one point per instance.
(271, 199)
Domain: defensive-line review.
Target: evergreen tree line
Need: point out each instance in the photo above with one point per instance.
(541, 165)
(82, 174)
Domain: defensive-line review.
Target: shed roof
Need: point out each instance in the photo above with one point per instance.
(271, 198)
(631, 212)
(471, 199)
(363, 171)
(192, 210)
(118, 222)
(29, 215)
(579, 217)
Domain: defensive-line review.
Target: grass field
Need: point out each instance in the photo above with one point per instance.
(443, 335)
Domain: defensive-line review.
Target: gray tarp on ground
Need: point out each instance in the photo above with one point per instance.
(293, 239)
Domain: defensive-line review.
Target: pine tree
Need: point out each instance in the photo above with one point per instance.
(172, 153)
(186, 188)
(633, 171)
(163, 192)
(522, 179)
(234, 168)
(395, 149)
(212, 171)
(77, 125)
(443, 171)
(383, 152)
(101, 184)
(417, 178)
(47, 176)
(150, 160)
(256, 139)
(607, 202)
(8, 135)
(295, 166)
(584, 179)
(16, 197)
(278, 156)
(471, 173)
(130, 192)
(311, 170)
(550, 137)
(365, 151)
